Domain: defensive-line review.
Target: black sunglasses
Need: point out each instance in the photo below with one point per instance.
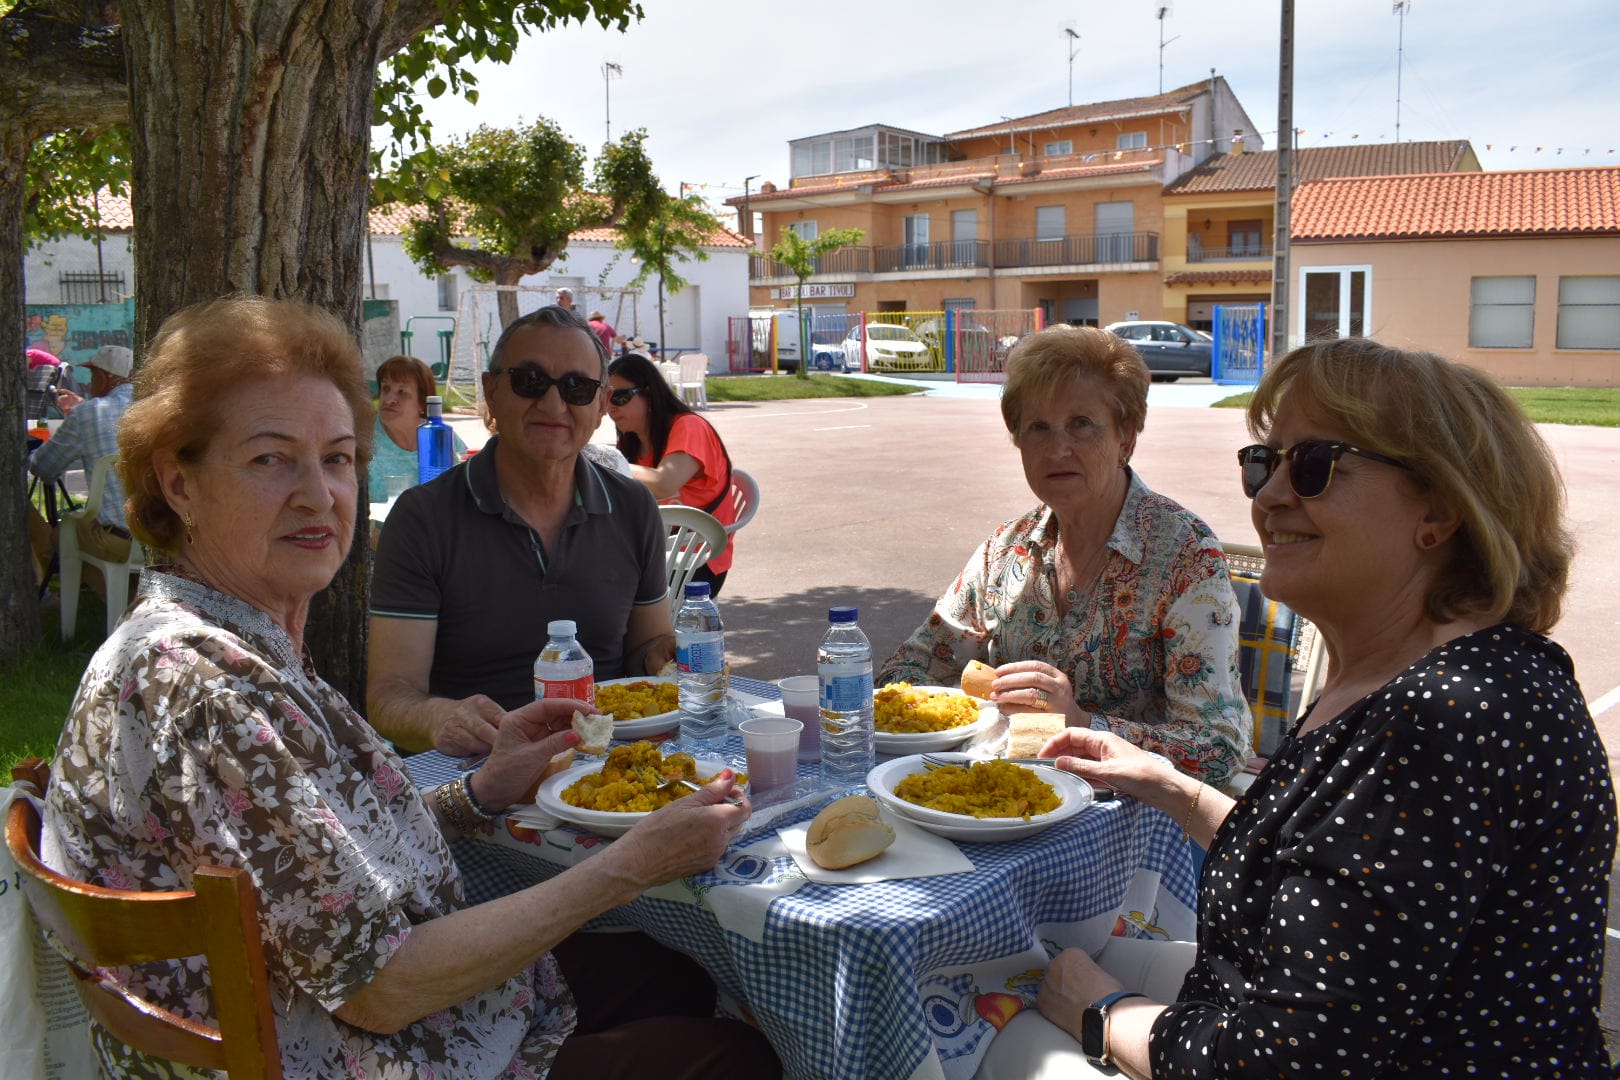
(530, 382)
(1310, 465)
(620, 397)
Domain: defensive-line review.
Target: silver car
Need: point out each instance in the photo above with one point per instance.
(1170, 349)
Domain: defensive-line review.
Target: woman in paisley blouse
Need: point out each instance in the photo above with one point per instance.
(1107, 603)
(201, 733)
(1416, 884)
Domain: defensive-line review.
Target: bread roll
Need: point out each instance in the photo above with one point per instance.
(557, 764)
(848, 832)
(977, 679)
(1029, 731)
(595, 732)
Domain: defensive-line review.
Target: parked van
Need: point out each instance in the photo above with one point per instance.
(826, 351)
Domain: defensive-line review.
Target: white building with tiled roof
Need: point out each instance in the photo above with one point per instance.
(77, 271)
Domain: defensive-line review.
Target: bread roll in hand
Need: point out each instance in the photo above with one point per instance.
(848, 832)
(595, 732)
(977, 678)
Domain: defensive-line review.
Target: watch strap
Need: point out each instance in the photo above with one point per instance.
(1094, 1026)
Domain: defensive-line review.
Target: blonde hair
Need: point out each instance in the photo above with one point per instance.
(199, 355)
(1061, 355)
(1469, 445)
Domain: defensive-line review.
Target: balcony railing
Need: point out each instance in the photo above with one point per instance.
(1090, 250)
(1079, 250)
(1236, 253)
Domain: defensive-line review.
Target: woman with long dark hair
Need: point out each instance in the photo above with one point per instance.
(672, 450)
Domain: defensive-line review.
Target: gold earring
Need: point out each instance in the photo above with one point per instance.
(191, 527)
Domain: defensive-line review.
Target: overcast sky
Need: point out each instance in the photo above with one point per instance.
(722, 85)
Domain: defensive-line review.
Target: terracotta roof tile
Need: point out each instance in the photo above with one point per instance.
(1537, 202)
(1123, 109)
(1257, 171)
(1212, 277)
(886, 187)
(390, 220)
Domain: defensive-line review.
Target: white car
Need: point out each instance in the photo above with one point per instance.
(891, 348)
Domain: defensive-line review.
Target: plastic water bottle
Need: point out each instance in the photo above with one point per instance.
(435, 443)
(844, 666)
(700, 660)
(564, 669)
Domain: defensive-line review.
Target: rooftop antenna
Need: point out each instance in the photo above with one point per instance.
(1074, 47)
(1400, 9)
(1163, 10)
(610, 71)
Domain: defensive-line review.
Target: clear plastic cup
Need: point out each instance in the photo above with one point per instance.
(772, 746)
(801, 699)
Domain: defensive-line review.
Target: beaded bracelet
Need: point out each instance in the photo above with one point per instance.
(1198, 793)
(472, 799)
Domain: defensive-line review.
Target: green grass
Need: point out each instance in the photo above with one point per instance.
(780, 387)
(1594, 406)
(35, 694)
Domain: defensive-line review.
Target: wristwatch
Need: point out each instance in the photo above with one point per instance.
(1094, 1027)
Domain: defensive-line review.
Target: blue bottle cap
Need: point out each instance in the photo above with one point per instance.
(841, 614)
(697, 588)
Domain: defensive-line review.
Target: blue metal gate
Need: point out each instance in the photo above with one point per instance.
(1240, 344)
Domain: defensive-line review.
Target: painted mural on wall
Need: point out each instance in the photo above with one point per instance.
(73, 332)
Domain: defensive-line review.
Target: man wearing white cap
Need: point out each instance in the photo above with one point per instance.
(89, 432)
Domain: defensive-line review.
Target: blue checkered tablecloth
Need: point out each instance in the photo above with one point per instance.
(908, 978)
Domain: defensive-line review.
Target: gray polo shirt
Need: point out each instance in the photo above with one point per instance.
(453, 551)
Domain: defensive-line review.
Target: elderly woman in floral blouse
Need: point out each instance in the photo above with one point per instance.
(201, 734)
(1107, 603)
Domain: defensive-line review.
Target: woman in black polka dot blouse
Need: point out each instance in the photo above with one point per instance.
(1417, 882)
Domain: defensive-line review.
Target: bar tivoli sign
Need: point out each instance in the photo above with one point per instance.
(815, 292)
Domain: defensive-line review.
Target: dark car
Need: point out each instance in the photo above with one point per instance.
(1170, 349)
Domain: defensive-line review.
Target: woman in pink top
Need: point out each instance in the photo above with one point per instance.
(671, 449)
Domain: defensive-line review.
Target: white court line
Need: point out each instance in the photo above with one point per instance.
(846, 427)
(1605, 703)
(1613, 932)
(852, 407)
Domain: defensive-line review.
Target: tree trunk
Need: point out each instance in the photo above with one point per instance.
(19, 609)
(251, 130)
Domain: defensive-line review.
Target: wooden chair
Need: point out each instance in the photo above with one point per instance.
(101, 928)
(1276, 643)
(117, 575)
(694, 539)
(745, 497)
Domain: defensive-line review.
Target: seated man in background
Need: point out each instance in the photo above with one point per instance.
(90, 431)
(475, 563)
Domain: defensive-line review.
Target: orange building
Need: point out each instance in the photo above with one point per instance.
(1062, 210)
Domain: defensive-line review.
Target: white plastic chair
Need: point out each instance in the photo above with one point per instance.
(693, 386)
(694, 539)
(745, 497)
(117, 575)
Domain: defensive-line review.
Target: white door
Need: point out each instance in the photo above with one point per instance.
(1115, 222)
(916, 240)
(964, 237)
(1334, 302)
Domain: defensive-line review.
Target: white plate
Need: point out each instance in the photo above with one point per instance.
(926, 742)
(1074, 796)
(601, 822)
(630, 730)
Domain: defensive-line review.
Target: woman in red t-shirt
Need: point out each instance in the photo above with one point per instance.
(672, 450)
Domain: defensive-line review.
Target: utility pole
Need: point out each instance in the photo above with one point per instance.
(747, 221)
(610, 71)
(1074, 47)
(1280, 308)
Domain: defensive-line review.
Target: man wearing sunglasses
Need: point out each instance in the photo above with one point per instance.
(472, 566)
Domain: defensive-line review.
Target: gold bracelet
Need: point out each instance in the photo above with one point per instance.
(444, 796)
(1191, 810)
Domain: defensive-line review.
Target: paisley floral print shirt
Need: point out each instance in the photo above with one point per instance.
(1152, 650)
(199, 735)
